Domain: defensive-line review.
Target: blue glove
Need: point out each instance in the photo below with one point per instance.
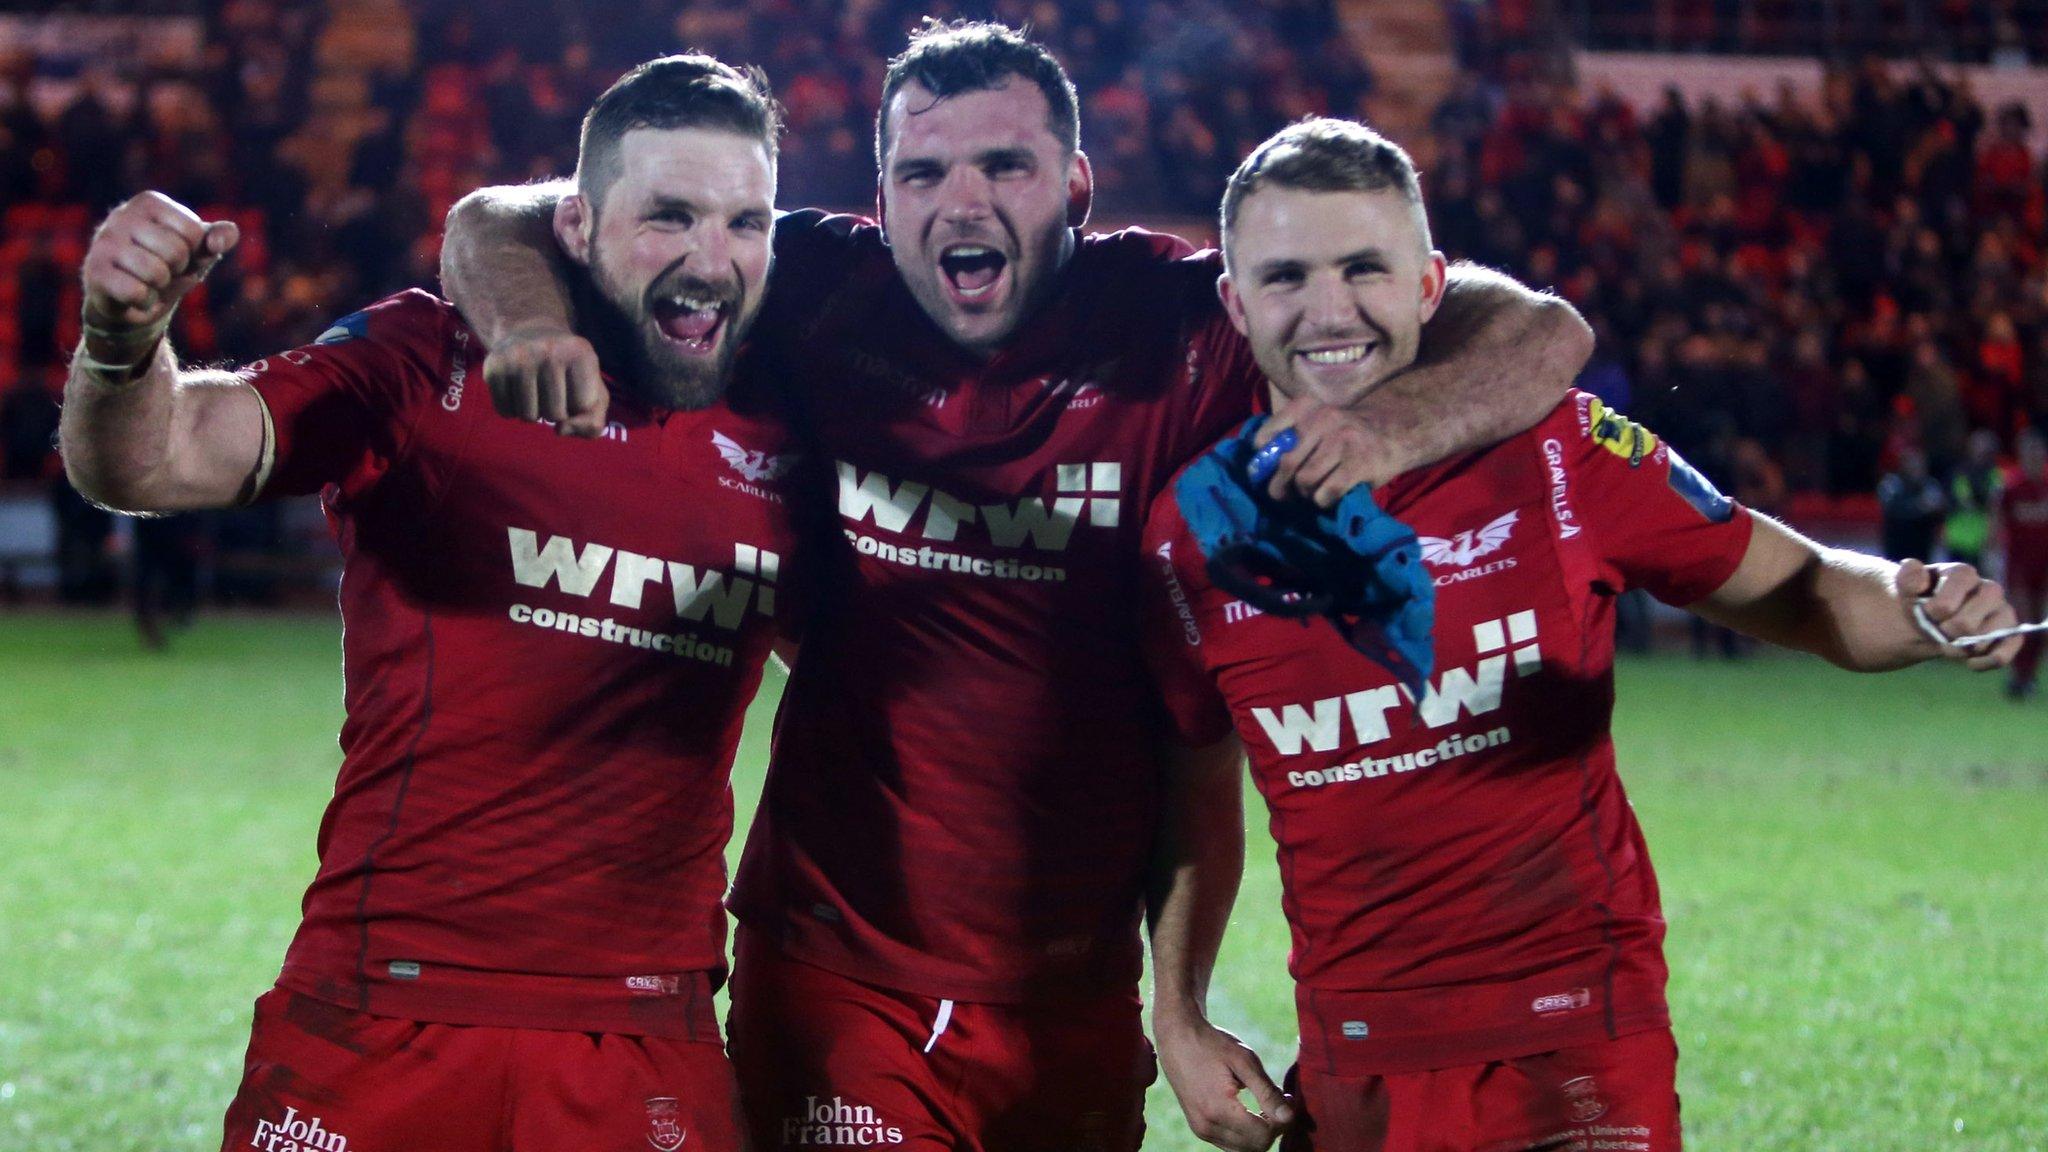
(1354, 565)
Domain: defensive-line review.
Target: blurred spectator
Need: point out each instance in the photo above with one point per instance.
(1973, 495)
(165, 577)
(2023, 523)
(85, 534)
(28, 430)
(1913, 508)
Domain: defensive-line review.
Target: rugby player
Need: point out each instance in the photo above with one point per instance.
(1477, 944)
(2022, 529)
(515, 932)
(941, 895)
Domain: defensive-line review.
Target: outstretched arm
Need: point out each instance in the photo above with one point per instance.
(1495, 358)
(501, 266)
(1856, 611)
(139, 434)
(1196, 868)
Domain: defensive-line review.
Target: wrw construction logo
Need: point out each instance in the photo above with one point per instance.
(1359, 719)
(704, 595)
(1085, 492)
(295, 1133)
(836, 1124)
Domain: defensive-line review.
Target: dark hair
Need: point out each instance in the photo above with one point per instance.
(691, 91)
(972, 56)
(1325, 155)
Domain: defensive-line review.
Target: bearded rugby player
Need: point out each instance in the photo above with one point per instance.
(966, 809)
(1478, 946)
(550, 643)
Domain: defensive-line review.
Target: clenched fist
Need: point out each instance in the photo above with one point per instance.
(1955, 602)
(552, 375)
(144, 259)
(1334, 452)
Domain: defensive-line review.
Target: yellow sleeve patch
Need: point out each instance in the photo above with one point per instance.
(1619, 434)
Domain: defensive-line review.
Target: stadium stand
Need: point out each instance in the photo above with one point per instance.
(1796, 286)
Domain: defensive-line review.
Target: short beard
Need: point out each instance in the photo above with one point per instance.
(648, 369)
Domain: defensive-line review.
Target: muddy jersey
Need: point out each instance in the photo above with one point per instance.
(549, 646)
(965, 776)
(1463, 875)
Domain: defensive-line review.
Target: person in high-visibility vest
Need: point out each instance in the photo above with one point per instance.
(1973, 493)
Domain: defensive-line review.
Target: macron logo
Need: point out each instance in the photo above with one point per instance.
(721, 597)
(1085, 491)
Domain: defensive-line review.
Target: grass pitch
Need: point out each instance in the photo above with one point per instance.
(1853, 868)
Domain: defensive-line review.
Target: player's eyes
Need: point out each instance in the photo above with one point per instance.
(1363, 269)
(672, 216)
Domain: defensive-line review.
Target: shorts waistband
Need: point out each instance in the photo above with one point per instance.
(671, 1005)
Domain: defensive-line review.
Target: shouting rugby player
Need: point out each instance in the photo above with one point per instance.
(970, 798)
(1478, 946)
(550, 644)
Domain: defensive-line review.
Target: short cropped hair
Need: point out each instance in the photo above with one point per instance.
(1325, 155)
(948, 59)
(690, 91)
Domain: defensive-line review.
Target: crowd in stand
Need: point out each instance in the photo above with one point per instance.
(1796, 290)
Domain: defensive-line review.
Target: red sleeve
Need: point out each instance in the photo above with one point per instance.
(342, 408)
(1172, 635)
(1649, 519)
(1228, 384)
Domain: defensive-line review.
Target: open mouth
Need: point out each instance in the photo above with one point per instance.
(692, 321)
(972, 271)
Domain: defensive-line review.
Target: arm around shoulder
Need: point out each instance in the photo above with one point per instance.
(500, 264)
(1495, 358)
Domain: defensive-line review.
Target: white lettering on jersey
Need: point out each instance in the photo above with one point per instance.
(723, 597)
(1048, 528)
(1560, 490)
(576, 572)
(1090, 491)
(873, 497)
(695, 595)
(1320, 725)
(1178, 597)
(458, 369)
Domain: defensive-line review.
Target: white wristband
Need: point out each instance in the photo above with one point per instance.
(113, 377)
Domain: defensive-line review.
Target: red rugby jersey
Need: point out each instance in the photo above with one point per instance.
(1465, 881)
(549, 647)
(965, 777)
(2023, 511)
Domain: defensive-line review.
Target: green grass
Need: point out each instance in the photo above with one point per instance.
(1853, 867)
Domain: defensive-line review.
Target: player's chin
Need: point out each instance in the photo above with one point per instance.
(687, 381)
(985, 330)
